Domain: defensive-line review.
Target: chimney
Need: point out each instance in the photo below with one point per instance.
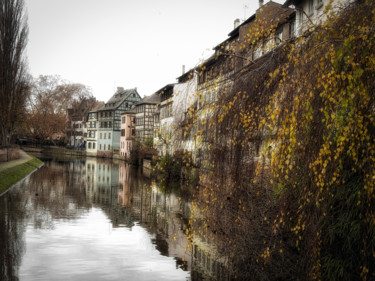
(119, 89)
(183, 69)
(260, 3)
(236, 23)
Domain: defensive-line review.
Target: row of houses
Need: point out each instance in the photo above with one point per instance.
(111, 128)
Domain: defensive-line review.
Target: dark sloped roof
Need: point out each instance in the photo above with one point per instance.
(98, 105)
(186, 76)
(117, 99)
(153, 99)
(291, 2)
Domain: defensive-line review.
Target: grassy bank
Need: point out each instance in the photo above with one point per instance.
(12, 175)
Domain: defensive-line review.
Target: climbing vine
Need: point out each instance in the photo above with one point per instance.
(287, 191)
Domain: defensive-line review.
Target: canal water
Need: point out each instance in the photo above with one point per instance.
(94, 219)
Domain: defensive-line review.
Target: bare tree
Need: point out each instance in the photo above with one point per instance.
(14, 86)
(50, 99)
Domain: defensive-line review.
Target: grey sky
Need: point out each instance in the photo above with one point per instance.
(143, 44)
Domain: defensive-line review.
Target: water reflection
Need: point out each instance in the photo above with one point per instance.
(93, 219)
(128, 198)
(12, 244)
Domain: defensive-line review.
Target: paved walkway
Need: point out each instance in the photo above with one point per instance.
(24, 157)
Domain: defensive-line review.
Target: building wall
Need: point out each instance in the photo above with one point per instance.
(184, 96)
(144, 125)
(105, 142)
(126, 140)
(312, 12)
(78, 133)
(171, 128)
(92, 134)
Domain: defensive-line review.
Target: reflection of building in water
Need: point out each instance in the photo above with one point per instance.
(160, 210)
(102, 189)
(206, 261)
(169, 210)
(163, 215)
(106, 182)
(77, 171)
(125, 177)
(91, 166)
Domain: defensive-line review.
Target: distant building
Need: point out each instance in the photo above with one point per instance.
(76, 129)
(109, 120)
(92, 128)
(127, 133)
(163, 121)
(144, 118)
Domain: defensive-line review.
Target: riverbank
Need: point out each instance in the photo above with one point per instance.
(15, 170)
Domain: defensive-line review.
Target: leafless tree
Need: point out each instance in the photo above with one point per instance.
(50, 99)
(14, 86)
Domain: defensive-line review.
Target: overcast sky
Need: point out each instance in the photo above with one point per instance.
(104, 44)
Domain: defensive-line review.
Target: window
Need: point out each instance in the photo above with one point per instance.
(105, 136)
(93, 145)
(310, 8)
(101, 136)
(89, 145)
(292, 29)
(123, 132)
(100, 148)
(123, 120)
(109, 147)
(299, 18)
(109, 135)
(104, 147)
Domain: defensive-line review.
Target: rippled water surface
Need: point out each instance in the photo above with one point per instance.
(92, 220)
